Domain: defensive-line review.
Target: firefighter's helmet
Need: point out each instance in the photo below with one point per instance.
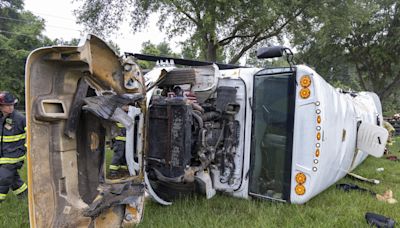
(6, 98)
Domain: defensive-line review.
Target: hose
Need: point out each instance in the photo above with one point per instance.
(198, 118)
(211, 116)
(197, 107)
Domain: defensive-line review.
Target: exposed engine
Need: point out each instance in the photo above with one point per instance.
(188, 137)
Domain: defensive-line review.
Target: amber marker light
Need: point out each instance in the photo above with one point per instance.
(318, 135)
(300, 190)
(301, 178)
(305, 81)
(305, 93)
(317, 153)
(319, 119)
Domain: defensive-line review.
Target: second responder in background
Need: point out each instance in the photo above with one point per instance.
(12, 147)
(118, 167)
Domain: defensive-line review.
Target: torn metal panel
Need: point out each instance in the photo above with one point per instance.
(103, 63)
(133, 76)
(115, 194)
(111, 217)
(76, 106)
(68, 118)
(90, 156)
(106, 106)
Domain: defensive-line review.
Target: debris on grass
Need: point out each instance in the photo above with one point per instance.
(361, 178)
(392, 158)
(376, 220)
(387, 197)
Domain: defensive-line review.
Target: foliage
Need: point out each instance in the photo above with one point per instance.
(214, 28)
(355, 42)
(161, 49)
(391, 105)
(20, 33)
(72, 42)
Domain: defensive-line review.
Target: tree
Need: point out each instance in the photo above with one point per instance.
(161, 49)
(214, 27)
(359, 40)
(20, 33)
(72, 42)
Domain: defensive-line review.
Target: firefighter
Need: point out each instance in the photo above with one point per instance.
(118, 165)
(12, 147)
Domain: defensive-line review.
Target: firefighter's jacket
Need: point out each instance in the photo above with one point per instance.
(12, 141)
(118, 146)
(122, 134)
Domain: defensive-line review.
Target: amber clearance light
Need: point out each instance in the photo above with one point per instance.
(305, 81)
(305, 93)
(317, 153)
(300, 189)
(301, 178)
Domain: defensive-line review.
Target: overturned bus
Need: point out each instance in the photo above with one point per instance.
(280, 133)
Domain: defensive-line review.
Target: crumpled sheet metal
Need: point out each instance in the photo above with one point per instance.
(116, 194)
(105, 106)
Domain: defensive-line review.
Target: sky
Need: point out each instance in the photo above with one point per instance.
(61, 23)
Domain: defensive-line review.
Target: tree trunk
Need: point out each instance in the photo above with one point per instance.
(211, 52)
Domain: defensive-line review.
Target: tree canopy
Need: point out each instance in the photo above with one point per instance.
(213, 28)
(351, 43)
(161, 49)
(357, 43)
(20, 33)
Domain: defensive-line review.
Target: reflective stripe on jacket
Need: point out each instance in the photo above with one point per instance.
(12, 138)
(5, 160)
(122, 135)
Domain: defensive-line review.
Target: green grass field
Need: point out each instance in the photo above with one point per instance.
(332, 208)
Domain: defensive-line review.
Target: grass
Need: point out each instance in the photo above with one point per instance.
(332, 208)
(14, 211)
